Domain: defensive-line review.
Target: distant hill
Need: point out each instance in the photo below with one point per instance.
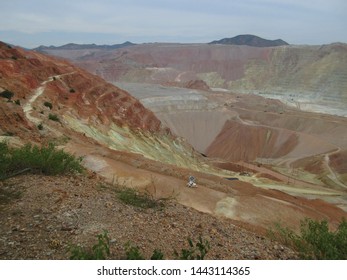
(250, 40)
(73, 46)
(80, 51)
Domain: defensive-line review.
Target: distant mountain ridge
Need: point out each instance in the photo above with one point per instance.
(250, 40)
(73, 46)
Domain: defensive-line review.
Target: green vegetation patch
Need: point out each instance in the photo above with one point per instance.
(195, 251)
(135, 198)
(7, 94)
(100, 251)
(48, 105)
(53, 117)
(315, 240)
(37, 160)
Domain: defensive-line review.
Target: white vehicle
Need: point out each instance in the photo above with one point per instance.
(191, 183)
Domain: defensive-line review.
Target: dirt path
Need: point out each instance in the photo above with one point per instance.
(333, 176)
(28, 107)
(289, 184)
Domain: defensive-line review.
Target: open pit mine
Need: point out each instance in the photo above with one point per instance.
(262, 129)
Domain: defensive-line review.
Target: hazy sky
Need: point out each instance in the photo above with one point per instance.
(30, 23)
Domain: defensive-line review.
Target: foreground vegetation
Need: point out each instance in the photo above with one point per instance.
(315, 240)
(101, 251)
(47, 160)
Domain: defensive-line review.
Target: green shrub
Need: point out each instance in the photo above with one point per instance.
(157, 255)
(315, 240)
(17, 102)
(72, 90)
(40, 160)
(142, 200)
(100, 251)
(48, 104)
(53, 117)
(133, 252)
(40, 126)
(7, 94)
(194, 252)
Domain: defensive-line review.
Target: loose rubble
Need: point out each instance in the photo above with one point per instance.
(49, 214)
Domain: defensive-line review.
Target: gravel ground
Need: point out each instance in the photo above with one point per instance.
(45, 215)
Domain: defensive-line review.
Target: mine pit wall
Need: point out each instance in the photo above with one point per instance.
(332, 130)
(197, 127)
(238, 142)
(242, 142)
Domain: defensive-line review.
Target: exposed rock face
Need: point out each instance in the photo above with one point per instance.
(22, 72)
(85, 104)
(250, 40)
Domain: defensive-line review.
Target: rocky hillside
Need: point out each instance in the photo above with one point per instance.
(76, 209)
(85, 104)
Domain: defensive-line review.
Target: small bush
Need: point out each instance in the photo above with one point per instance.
(142, 200)
(7, 94)
(100, 251)
(315, 240)
(48, 104)
(40, 160)
(40, 126)
(133, 252)
(157, 255)
(53, 117)
(72, 90)
(17, 102)
(194, 252)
